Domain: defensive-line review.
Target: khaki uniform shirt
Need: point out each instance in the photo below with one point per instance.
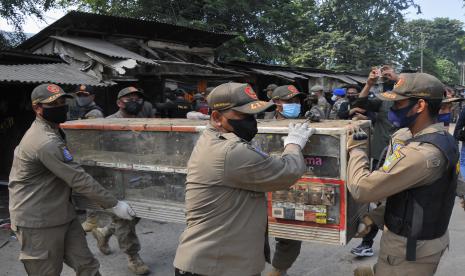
(406, 166)
(94, 113)
(42, 177)
(335, 108)
(325, 106)
(226, 205)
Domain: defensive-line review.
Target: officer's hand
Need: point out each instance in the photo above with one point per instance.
(313, 117)
(298, 134)
(364, 227)
(356, 138)
(462, 202)
(124, 211)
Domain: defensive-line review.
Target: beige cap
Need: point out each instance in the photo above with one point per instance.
(237, 96)
(415, 85)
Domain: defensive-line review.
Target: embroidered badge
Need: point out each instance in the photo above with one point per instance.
(249, 91)
(292, 89)
(433, 163)
(392, 160)
(398, 144)
(53, 88)
(67, 155)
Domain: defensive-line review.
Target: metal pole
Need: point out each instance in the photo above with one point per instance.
(421, 50)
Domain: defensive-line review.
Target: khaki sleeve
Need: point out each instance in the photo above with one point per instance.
(59, 161)
(248, 169)
(93, 114)
(405, 168)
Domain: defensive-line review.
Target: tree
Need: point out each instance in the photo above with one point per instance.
(441, 35)
(443, 41)
(15, 12)
(447, 71)
(355, 34)
(266, 29)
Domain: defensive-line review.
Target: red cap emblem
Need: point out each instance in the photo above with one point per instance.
(399, 83)
(132, 89)
(249, 91)
(53, 88)
(292, 89)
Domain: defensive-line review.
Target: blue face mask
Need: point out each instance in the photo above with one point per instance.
(291, 110)
(444, 118)
(399, 118)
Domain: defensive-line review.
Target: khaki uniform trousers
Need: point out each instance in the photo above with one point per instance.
(125, 231)
(397, 266)
(286, 253)
(43, 250)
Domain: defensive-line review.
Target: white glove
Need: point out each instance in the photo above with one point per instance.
(123, 210)
(298, 134)
(194, 115)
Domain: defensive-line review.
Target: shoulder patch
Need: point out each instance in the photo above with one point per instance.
(433, 163)
(397, 144)
(67, 155)
(392, 160)
(261, 153)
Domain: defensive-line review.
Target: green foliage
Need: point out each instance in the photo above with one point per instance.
(447, 71)
(444, 44)
(15, 12)
(332, 34)
(354, 35)
(442, 36)
(267, 29)
(429, 61)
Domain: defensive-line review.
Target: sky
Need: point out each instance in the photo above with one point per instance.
(430, 9)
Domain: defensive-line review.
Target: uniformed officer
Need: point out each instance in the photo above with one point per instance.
(269, 90)
(41, 180)
(322, 102)
(85, 97)
(287, 99)
(316, 113)
(130, 102)
(418, 178)
(338, 98)
(226, 184)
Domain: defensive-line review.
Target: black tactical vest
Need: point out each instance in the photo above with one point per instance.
(423, 213)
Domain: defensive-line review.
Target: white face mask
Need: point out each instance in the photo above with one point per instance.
(333, 98)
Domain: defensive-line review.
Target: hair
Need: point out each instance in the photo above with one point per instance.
(434, 105)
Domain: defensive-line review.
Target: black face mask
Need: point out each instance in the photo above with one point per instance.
(352, 98)
(55, 114)
(245, 128)
(133, 107)
(388, 84)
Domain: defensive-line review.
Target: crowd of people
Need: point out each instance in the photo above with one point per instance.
(412, 176)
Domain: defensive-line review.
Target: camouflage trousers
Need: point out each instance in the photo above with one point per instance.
(125, 232)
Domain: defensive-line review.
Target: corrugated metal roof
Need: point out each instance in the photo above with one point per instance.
(104, 47)
(81, 23)
(59, 73)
